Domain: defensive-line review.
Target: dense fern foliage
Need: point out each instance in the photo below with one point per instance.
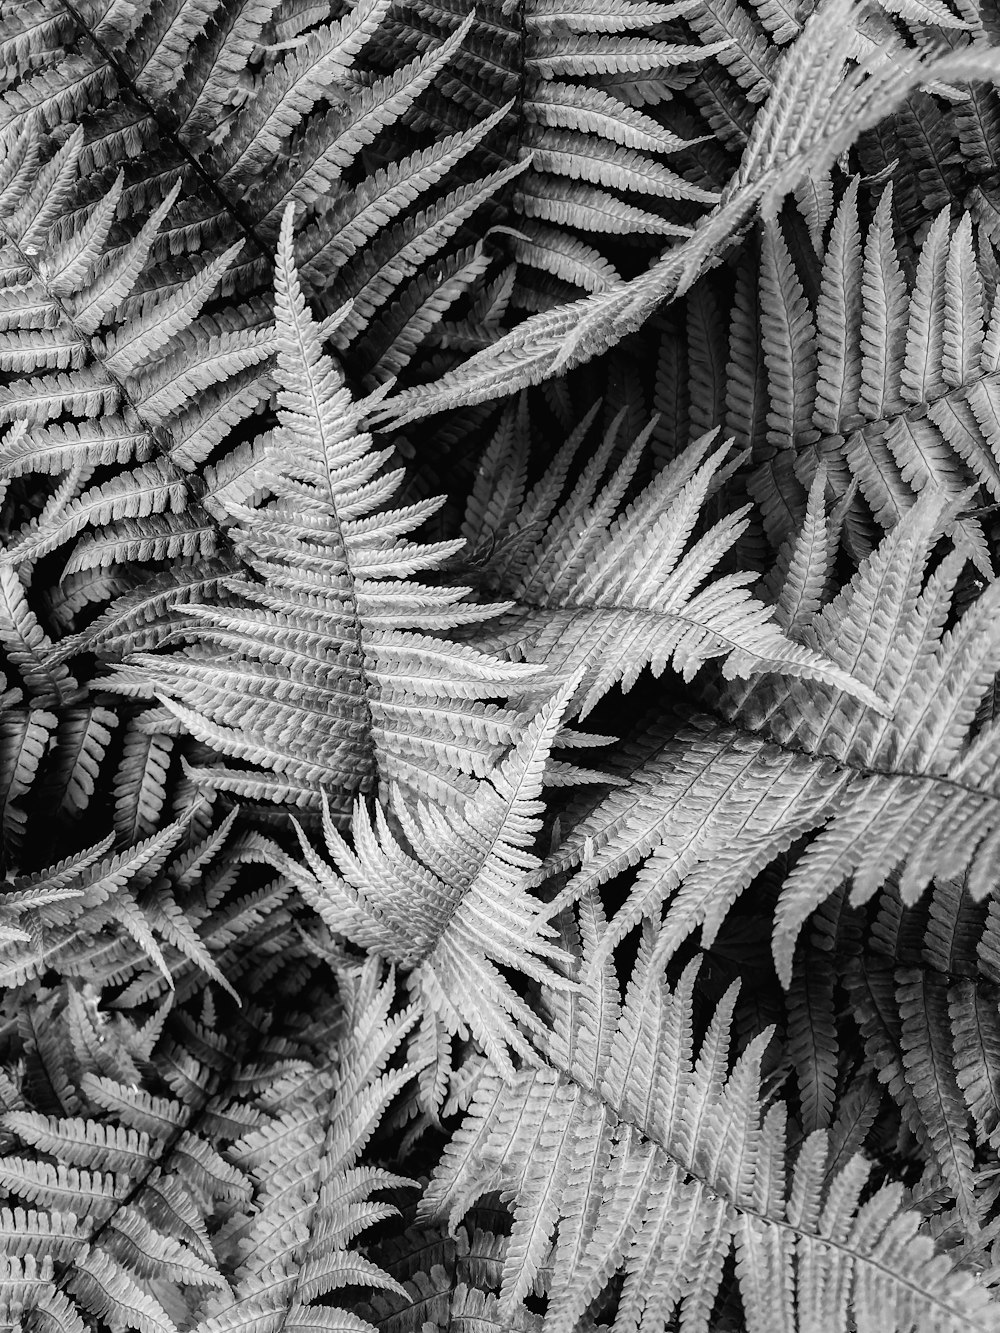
(500, 636)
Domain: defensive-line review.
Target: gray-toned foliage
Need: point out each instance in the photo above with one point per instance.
(499, 761)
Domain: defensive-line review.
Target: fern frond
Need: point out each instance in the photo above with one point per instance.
(884, 793)
(316, 673)
(904, 388)
(450, 901)
(656, 1162)
(240, 142)
(608, 590)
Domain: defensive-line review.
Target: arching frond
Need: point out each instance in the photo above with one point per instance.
(606, 589)
(654, 1159)
(883, 795)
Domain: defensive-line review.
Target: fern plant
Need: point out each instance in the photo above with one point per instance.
(336, 677)
(656, 1161)
(498, 717)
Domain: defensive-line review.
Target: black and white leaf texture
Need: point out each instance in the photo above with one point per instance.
(499, 798)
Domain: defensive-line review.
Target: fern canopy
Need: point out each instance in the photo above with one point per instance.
(499, 753)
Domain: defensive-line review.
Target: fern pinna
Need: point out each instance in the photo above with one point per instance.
(498, 718)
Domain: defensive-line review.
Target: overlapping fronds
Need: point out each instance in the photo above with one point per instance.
(133, 914)
(447, 1279)
(891, 382)
(585, 83)
(321, 666)
(311, 1193)
(828, 89)
(53, 740)
(123, 409)
(910, 793)
(258, 121)
(223, 1190)
(920, 985)
(113, 1187)
(446, 895)
(297, 967)
(653, 1161)
(602, 588)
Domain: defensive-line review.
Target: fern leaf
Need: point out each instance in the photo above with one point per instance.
(337, 236)
(606, 593)
(319, 1191)
(43, 1235)
(140, 784)
(468, 914)
(337, 605)
(789, 343)
(656, 1167)
(864, 810)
